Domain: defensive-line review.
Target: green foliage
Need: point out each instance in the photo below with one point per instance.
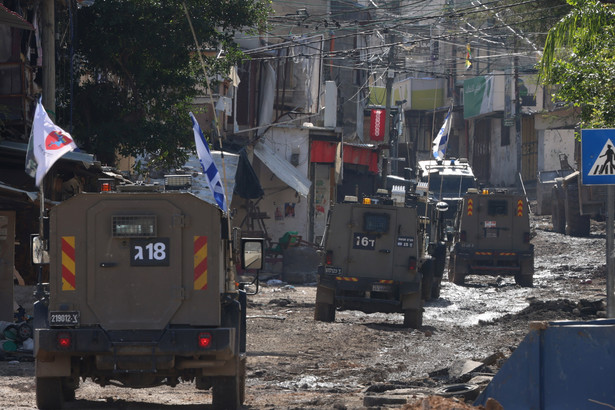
(579, 58)
(137, 70)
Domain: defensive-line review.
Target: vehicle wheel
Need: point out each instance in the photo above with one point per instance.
(525, 281)
(324, 312)
(576, 224)
(454, 272)
(49, 395)
(413, 318)
(226, 392)
(525, 276)
(242, 381)
(69, 385)
(435, 288)
(558, 215)
(427, 271)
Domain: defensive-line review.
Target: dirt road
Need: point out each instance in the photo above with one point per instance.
(297, 363)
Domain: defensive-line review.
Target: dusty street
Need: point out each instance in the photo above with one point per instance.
(295, 362)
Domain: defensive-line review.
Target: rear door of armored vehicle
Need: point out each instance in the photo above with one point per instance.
(374, 241)
(134, 270)
(497, 222)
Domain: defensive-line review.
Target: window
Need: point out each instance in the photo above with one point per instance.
(497, 207)
(141, 226)
(373, 222)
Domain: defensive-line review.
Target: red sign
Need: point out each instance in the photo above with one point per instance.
(376, 128)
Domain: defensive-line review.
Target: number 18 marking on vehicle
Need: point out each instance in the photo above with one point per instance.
(149, 252)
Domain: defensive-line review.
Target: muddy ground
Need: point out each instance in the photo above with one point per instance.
(297, 363)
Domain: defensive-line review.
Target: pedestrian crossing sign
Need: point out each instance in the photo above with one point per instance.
(598, 156)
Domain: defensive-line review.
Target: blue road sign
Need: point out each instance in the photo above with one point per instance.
(598, 156)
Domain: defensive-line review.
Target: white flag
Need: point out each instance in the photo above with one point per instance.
(209, 166)
(441, 141)
(48, 143)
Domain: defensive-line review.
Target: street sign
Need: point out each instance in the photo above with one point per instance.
(598, 156)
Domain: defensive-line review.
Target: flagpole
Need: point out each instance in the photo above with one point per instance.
(41, 233)
(231, 274)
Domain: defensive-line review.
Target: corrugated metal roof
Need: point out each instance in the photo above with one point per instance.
(13, 19)
(282, 169)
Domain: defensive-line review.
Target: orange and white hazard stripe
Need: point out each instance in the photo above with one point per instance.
(68, 263)
(200, 262)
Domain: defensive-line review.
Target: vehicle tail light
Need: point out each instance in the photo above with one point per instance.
(204, 340)
(329, 258)
(526, 237)
(463, 236)
(64, 340)
(412, 264)
(105, 187)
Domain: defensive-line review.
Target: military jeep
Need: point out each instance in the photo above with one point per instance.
(492, 238)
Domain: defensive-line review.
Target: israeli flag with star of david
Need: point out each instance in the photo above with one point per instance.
(209, 167)
(441, 141)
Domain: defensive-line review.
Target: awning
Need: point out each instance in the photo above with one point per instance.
(282, 169)
(13, 19)
(76, 156)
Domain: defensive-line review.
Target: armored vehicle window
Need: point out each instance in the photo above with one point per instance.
(497, 207)
(137, 226)
(376, 222)
(450, 185)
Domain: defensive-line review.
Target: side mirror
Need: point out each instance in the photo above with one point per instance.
(38, 247)
(252, 252)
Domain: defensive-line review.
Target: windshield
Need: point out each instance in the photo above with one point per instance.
(451, 186)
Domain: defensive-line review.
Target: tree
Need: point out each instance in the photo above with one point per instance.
(579, 59)
(137, 70)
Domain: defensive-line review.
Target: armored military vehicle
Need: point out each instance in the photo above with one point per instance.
(142, 293)
(447, 180)
(493, 238)
(373, 260)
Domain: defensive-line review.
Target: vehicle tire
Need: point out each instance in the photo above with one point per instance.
(454, 272)
(558, 214)
(435, 288)
(576, 224)
(49, 395)
(226, 393)
(413, 318)
(69, 385)
(467, 391)
(427, 282)
(525, 276)
(242, 381)
(324, 312)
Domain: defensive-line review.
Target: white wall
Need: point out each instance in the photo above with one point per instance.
(503, 158)
(551, 143)
(287, 210)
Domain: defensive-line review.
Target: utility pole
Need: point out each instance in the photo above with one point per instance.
(49, 53)
(387, 109)
(518, 139)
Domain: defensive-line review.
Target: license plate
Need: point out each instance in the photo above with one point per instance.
(333, 270)
(381, 288)
(64, 318)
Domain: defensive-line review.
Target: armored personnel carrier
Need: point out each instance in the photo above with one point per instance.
(142, 293)
(493, 238)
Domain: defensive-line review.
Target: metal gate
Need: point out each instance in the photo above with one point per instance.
(481, 157)
(529, 149)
